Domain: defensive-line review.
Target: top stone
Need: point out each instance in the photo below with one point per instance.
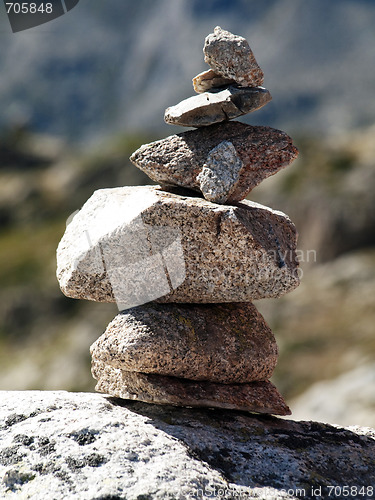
(231, 57)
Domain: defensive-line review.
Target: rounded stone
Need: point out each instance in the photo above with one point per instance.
(227, 343)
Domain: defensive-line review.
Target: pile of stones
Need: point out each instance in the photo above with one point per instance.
(184, 260)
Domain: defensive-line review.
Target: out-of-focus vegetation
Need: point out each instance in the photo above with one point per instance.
(44, 336)
(324, 328)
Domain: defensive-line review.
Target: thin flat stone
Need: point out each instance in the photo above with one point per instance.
(230, 56)
(217, 106)
(132, 245)
(179, 159)
(208, 80)
(227, 343)
(259, 397)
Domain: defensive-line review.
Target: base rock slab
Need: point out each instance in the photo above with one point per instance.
(82, 446)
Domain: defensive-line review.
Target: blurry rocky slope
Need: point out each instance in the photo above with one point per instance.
(324, 329)
(327, 326)
(90, 72)
(44, 336)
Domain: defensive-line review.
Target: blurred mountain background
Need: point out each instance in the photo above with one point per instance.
(79, 94)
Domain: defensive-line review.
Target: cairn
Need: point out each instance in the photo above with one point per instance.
(184, 260)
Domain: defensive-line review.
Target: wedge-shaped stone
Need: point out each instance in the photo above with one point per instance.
(217, 106)
(136, 244)
(227, 343)
(179, 159)
(208, 80)
(260, 397)
(221, 173)
(231, 57)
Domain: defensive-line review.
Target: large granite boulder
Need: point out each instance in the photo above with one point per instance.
(131, 245)
(82, 446)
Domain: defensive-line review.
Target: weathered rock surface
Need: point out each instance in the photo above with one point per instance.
(228, 343)
(259, 397)
(58, 445)
(221, 173)
(180, 158)
(131, 245)
(230, 56)
(217, 106)
(208, 80)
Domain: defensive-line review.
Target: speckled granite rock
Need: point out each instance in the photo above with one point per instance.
(217, 106)
(228, 343)
(208, 80)
(260, 397)
(135, 244)
(179, 159)
(221, 173)
(230, 56)
(84, 446)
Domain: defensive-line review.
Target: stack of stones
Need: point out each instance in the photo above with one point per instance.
(184, 260)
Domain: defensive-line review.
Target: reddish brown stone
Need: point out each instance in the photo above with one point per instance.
(226, 343)
(179, 159)
(259, 397)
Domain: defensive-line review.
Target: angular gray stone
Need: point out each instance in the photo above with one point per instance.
(84, 446)
(208, 80)
(227, 343)
(231, 57)
(221, 173)
(259, 397)
(217, 106)
(180, 158)
(136, 244)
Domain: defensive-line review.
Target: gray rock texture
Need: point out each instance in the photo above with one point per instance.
(228, 343)
(59, 446)
(230, 56)
(131, 245)
(217, 106)
(208, 80)
(179, 159)
(259, 397)
(220, 174)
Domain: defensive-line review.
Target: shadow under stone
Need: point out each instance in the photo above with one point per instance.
(264, 451)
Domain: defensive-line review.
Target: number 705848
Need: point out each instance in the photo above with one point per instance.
(29, 8)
